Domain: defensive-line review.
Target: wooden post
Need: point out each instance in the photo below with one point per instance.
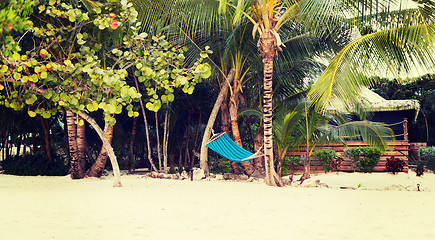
(405, 129)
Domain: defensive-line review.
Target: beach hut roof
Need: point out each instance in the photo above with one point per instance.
(372, 102)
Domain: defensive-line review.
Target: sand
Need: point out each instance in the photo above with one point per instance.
(372, 206)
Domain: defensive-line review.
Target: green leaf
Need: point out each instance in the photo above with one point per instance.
(90, 107)
(171, 97)
(31, 113)
(44, 75)
(203, 54)
(32, 99)
(16, 57)
(48, 94)
(118, 109)
(164, 99)
(4, 69)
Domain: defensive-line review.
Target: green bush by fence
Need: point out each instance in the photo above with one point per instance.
(364, 159)
(326, 158)
(427, 157)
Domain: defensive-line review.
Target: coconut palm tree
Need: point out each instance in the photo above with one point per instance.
(393, 47)
(399, 43)
(297, 123)
(268, 17)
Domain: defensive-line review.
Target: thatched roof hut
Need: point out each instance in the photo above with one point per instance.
(372, 102)
(391, 112)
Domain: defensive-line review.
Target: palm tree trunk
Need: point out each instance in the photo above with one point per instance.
(258, 143)
(97, 168)
(81, 143)
(234, 107)
(306, 174)
(76, 170)
(225, 116)
(272, 179)
(204, 149)
(108, 147)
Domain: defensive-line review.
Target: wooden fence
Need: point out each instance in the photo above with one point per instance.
(400, 150)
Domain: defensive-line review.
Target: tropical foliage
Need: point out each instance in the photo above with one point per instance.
(102, 62)
(398, 43)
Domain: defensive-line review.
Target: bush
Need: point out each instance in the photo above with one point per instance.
(363, 158)
(394, 165)
(34, 165)
(290, 164)
(326, 158)
(427, 156)
(225, 166)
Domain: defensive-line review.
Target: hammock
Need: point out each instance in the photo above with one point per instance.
(227, 148)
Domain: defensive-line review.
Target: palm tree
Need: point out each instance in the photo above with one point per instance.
(398, 43)
(298, 123)
(404, 39)
(268, 17)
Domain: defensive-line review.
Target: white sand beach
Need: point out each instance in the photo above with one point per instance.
(371, 206)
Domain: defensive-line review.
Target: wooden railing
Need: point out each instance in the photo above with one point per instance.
(400, 150)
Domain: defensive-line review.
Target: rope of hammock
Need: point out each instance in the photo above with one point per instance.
(223, 145)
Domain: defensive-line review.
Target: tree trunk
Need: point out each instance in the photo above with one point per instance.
(81, 143)
(97, 168)
(165, 140)
(306, 173)
(108, 147)
(307, 159)
(258, 143)
(186, 150)
(132, 142)
(204, 149)
(20, 140)
(150, 159)
(76, 170)
(268, 50)
(45, 127)
(198, 126)
(158, 144)
(225, 116)
(234, 107)
(5, 145)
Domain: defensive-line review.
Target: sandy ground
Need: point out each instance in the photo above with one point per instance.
(382, 206)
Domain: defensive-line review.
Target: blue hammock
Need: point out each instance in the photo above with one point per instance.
(227, 148)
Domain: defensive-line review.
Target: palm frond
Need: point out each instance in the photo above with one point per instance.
(397, 52)
(198, 18)
(373, 133)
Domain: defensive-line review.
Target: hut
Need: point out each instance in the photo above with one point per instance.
(394, 113)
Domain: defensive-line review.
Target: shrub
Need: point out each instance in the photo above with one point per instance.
(427, 156)
(290, 164)
(34, 165)
(363, 158)
(394, 165)
(225, 166)
(326, 158)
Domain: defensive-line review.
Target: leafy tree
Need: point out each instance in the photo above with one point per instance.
(421, 89)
